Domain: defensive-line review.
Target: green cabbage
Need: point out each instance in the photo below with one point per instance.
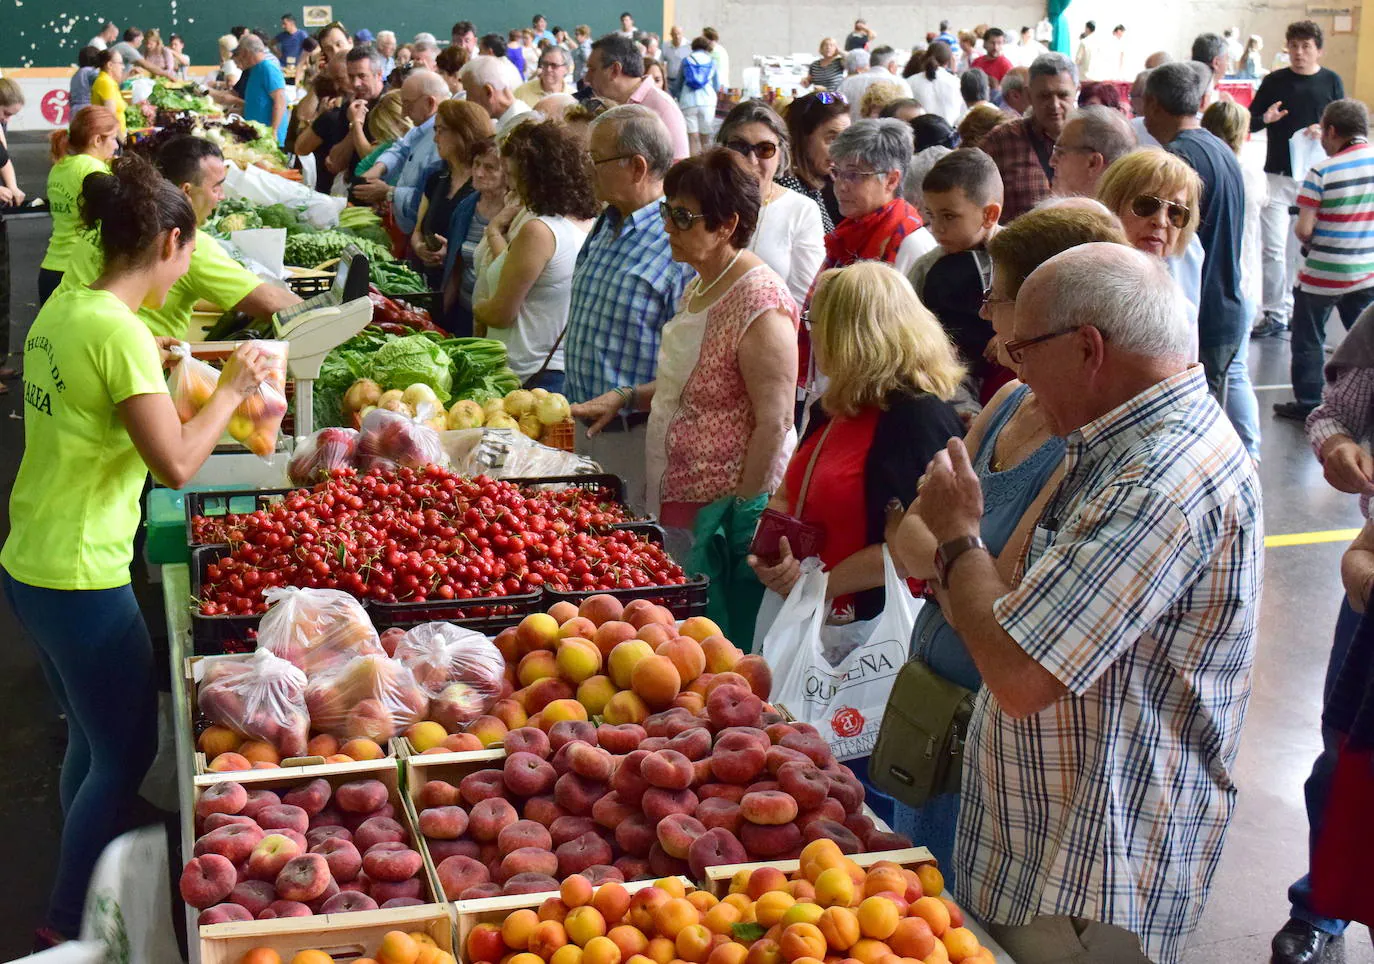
(414, 358)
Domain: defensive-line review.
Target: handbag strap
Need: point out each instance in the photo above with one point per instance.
(548, 359)
(811, 467)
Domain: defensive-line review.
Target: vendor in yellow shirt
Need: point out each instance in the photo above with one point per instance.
(82, 149)
(109, 65)
(195, 166)
(97, 419)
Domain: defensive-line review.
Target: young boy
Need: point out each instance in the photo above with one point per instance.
(963, 200)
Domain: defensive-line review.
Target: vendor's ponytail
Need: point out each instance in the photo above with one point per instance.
(88, 124)
(133, 206)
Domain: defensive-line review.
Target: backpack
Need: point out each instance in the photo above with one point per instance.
(696, 75)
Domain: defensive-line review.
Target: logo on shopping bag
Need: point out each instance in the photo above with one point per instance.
(847, 722)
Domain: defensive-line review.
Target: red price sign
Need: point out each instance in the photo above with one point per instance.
(56, 107)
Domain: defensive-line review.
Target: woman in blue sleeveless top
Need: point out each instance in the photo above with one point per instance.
(1019, 462)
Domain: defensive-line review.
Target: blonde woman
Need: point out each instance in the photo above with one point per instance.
(155, 52)
(1156, 195)
(827, 72)
(884, 414)
(879, 94)
(229, 71)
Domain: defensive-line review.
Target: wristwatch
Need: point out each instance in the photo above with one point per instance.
(949, 553)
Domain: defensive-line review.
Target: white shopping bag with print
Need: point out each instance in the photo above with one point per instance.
(838, 678)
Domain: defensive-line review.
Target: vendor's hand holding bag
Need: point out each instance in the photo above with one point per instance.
(843, 700)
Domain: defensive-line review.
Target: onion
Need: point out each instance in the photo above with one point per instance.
(360, 394)
(418, 394)
(552, 409)
(502, 420)
(529, 424)
(519, 402)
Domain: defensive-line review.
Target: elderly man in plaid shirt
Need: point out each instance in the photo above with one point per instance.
(625, 289)
(1098, 779)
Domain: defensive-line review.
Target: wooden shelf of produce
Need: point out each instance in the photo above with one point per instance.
(344, 937)
(388, 772)
(494, 910)
(194, 669)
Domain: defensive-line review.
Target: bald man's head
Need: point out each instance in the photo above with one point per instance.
(421, 95)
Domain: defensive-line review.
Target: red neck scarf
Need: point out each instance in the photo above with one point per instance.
(874, 237)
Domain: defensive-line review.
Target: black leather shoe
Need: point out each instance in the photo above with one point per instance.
(1299, 943)
(1294, 410)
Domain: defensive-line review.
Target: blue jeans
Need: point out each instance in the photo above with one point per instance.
(95, 653)
(1308, 326)
(1242, 408)
(550, 381)
(1318, 784)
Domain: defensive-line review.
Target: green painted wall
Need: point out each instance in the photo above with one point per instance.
(44, 33)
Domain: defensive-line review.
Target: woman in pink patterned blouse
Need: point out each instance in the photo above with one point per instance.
(720, 419)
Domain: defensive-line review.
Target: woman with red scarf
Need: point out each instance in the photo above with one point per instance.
(871, 158)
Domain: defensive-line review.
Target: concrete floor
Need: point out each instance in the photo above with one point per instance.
(1267, 845)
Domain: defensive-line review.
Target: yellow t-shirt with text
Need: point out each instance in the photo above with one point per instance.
(64, 200)
(74, 505)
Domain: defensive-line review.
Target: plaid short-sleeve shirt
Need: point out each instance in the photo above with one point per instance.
(1139, 592)
(625, 288)
(1025, 182)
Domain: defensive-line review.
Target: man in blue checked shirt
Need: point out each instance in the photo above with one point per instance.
(1099, 769)
(398, 178)
(625, 289)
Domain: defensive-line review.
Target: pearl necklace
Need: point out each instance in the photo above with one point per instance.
(701, 292)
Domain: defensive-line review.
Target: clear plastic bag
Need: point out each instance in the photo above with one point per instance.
(316, 629)
(324, 452)
(460, 669)
(257, 420)
(390, 440)
(260, 697)
(369, 697)
(191, 382)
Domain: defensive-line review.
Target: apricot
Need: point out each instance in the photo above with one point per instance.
(578, 659)
(769, 908)
(912, 938)
(802, 940)
(932, 881)
(601, 950)
(567, 954)
(583, 923)
(933, 911)
(693, 943)
(612, 900)
(762, 880)
(576, 891)
(673, 915)
(878, 918)
(215, 740)
(869, 951)
(518, 927)
(728, 953)
(623, 659)
(840, 925)
(656, 679)
(625, 707)
(595, 692)
(834, 887)
(721, 917)
(630, 940)
(660, 950)
(801, 912)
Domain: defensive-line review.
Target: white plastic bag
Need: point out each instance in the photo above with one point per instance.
(263, 187)
(316, 629)
(369, 697)
(460, 669)
(191, 382)
(1303, 154)
(319, 455)
(844, 698)
(391, 440)
(260, 696)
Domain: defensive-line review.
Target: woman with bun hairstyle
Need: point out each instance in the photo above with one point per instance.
(82, 149)
(97, 419)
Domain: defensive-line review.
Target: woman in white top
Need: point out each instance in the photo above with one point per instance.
(789, 237)
(530, 278)
(935, 87)
(229, 71)
(698, 96)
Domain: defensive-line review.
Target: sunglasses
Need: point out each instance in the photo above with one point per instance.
(679, 217)
(762, 150)
(1147, 205)
(830, 97)
(1015, 349)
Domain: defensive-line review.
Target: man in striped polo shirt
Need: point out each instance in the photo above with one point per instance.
(1336, 226)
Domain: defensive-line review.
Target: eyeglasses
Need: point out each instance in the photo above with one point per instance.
(1147, 205)
(598, 161)
(550, 65)
(989, 301)
(830, 97)
(1015, 349)
(679, 217)
(763, 150)
(855, 177)
(1059, 149)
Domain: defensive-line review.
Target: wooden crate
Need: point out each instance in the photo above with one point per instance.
(718, 878)
(194, 669)
(493, 910)
(387, 771)
(420, 768)
(345, 937)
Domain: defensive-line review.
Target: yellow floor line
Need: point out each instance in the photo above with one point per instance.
(1310, 538)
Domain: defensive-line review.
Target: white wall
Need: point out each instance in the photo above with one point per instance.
(750, 27)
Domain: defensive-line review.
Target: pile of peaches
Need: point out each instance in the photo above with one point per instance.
(677, 794)
(832, 910)
(616, 663)
(312, 850)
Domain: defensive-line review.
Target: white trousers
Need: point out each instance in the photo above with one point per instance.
(1280, 255)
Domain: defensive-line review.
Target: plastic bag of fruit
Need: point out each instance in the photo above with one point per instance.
(460, 669)
(257, 420)
(371, 697)
(259, 696)
(316, 629)
(392, 440)
(191, 382)
(318, 456)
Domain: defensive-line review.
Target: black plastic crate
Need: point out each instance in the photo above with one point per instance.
(216, 635)
(687, 599)
(588, 483)
(486, 614)
(242, 502)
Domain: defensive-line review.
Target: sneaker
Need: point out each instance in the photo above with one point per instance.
(1297, 411)
(1268, 327)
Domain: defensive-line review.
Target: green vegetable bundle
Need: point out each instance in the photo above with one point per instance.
(308, 250)
(395, 278)
(176, 98)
